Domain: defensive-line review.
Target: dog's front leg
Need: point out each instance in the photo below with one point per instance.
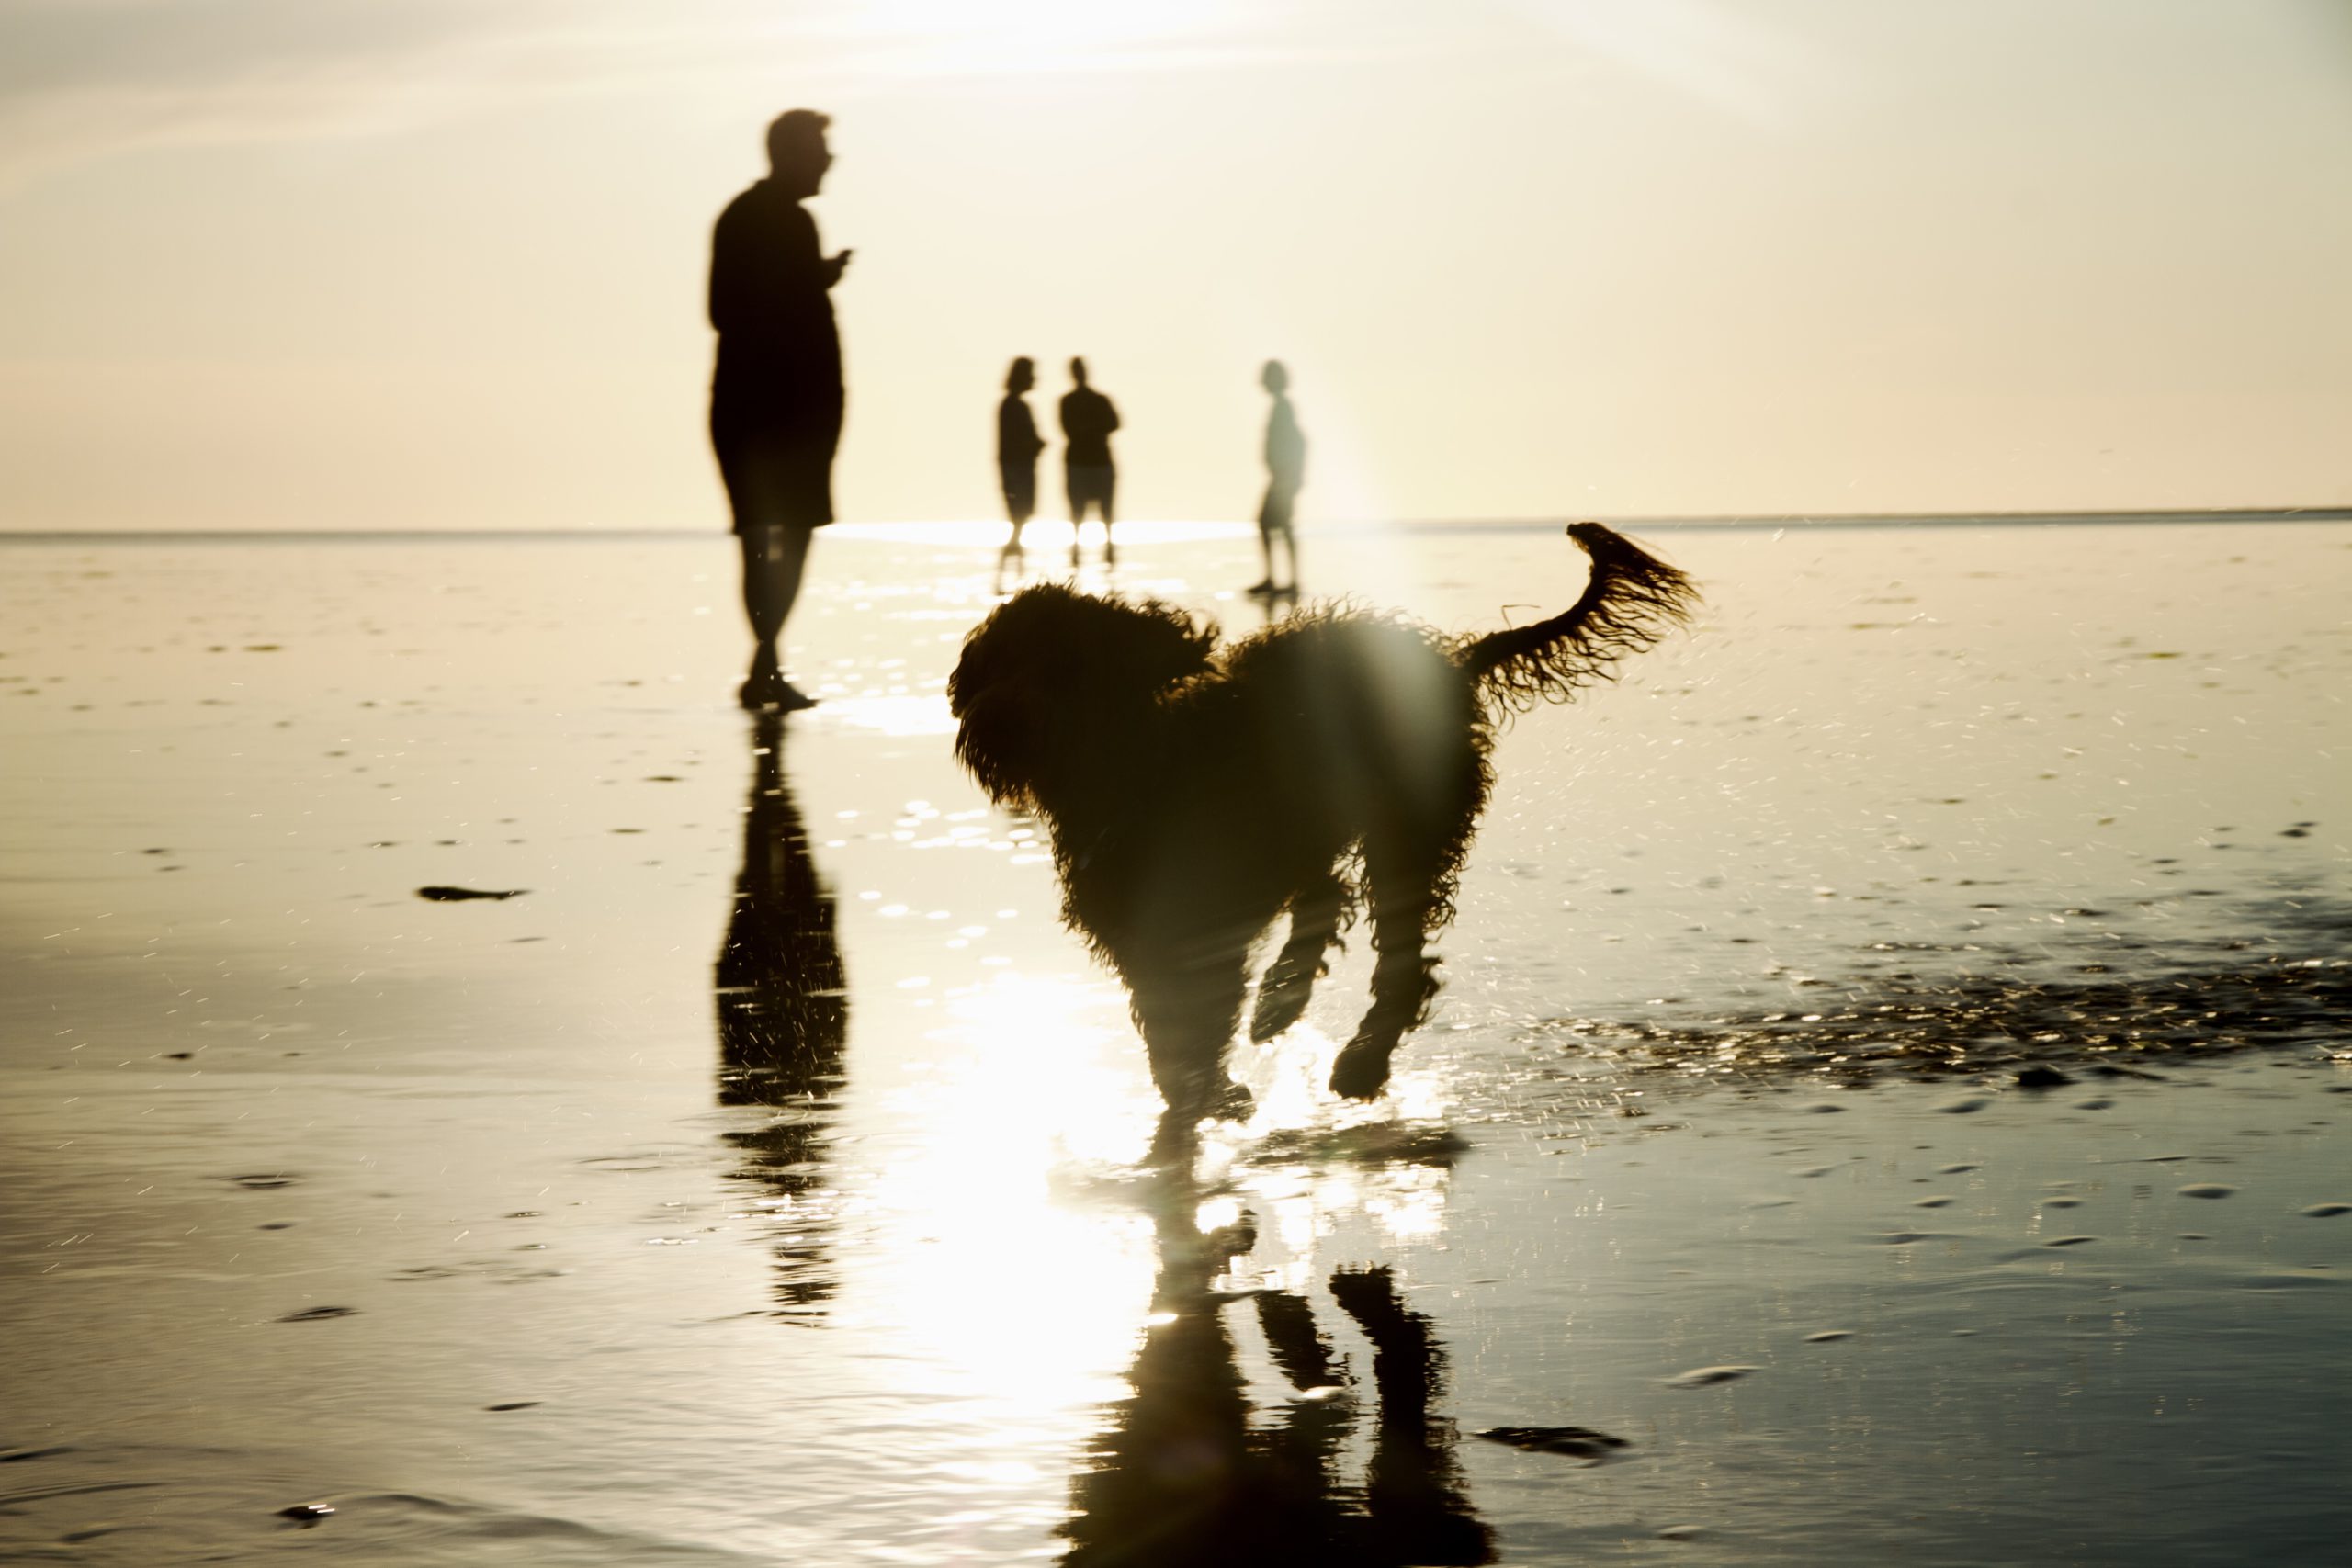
(1316, 912)
(1187, 1013)
(1403, 875)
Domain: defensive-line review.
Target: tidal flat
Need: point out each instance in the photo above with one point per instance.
(1887, 1102)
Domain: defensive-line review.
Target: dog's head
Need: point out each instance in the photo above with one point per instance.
(1051, 676)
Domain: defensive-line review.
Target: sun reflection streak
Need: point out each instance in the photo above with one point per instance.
(1017, 1256)
(1026, 1301)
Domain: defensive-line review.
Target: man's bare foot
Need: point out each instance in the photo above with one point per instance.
(773, 694)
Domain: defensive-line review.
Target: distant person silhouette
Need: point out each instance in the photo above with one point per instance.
(1088, 419)
(1017, 446)
(775, 396)
(1286, 472)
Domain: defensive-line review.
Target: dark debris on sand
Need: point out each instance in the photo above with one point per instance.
(1575, 1442)
(442, 894)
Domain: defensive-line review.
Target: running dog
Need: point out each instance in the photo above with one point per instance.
(1337, 757)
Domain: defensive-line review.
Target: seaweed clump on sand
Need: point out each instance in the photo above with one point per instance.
(2287, 983)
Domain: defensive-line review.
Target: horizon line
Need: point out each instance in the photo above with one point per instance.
(1673, 522)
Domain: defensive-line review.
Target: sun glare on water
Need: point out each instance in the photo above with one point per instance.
(1030, 1302)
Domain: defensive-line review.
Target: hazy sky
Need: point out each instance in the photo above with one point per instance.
(439, 263)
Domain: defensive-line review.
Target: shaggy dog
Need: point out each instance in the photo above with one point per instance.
(1194, 793)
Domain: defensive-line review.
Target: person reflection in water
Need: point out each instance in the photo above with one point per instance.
(1182, 1477)
(1091, 478)
(783, 1020)
(1286, 472)
(776, 395)
(1017, 446)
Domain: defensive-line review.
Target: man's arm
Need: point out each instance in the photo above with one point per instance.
(760, 260)
(727, 313)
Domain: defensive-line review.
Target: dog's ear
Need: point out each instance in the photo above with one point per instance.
(999, 739)
(1140, 646)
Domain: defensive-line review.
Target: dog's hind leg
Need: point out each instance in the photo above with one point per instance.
(1315, 913)
(1405, 877)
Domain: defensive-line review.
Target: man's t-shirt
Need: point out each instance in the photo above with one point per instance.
(1286, 447)
(779, 353)
(1088, 419)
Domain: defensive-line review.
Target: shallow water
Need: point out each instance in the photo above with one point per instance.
(497, 1225)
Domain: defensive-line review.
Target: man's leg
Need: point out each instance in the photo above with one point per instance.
(1282, 502)
(774, 557)
(1266, 517)
(1105, 499)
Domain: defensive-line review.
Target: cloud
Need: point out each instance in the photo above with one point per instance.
(84, 79)
(1702, 50)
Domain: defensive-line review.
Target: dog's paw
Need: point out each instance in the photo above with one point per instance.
(1360, 1074)
(1280, 1005)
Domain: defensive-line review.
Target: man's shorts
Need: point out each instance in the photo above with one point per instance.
(780, 477)
(1092, 486)
(1274, 515)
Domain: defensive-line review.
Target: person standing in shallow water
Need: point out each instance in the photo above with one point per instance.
(1088, 419)
(1017, 446)
(777, 394)
(1286, 472)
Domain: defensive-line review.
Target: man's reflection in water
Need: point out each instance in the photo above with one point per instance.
(783, 1017)
(1181, 1478)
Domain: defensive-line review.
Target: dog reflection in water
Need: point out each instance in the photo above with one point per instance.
(1183, 1477)
(1337, 757)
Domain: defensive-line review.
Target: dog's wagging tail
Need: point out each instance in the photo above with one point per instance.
(1633, 600)
(1334, 762)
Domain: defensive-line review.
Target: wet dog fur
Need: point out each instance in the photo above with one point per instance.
(1336, 758)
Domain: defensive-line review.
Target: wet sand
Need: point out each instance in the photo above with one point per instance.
(526, 1230)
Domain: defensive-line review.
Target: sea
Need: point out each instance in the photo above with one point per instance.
(472, 1094)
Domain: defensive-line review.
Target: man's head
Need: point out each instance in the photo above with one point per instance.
(1022, 375)
(1078, 371)
(1273, 378)
(796, 151)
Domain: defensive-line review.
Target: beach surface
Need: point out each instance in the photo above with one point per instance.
(1890, 1079)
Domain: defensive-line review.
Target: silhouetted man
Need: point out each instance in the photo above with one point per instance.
(1285, 471)
(1088, 419)
(775, 396)
(1017, 446)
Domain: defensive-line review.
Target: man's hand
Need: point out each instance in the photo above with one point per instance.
(840, 265)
